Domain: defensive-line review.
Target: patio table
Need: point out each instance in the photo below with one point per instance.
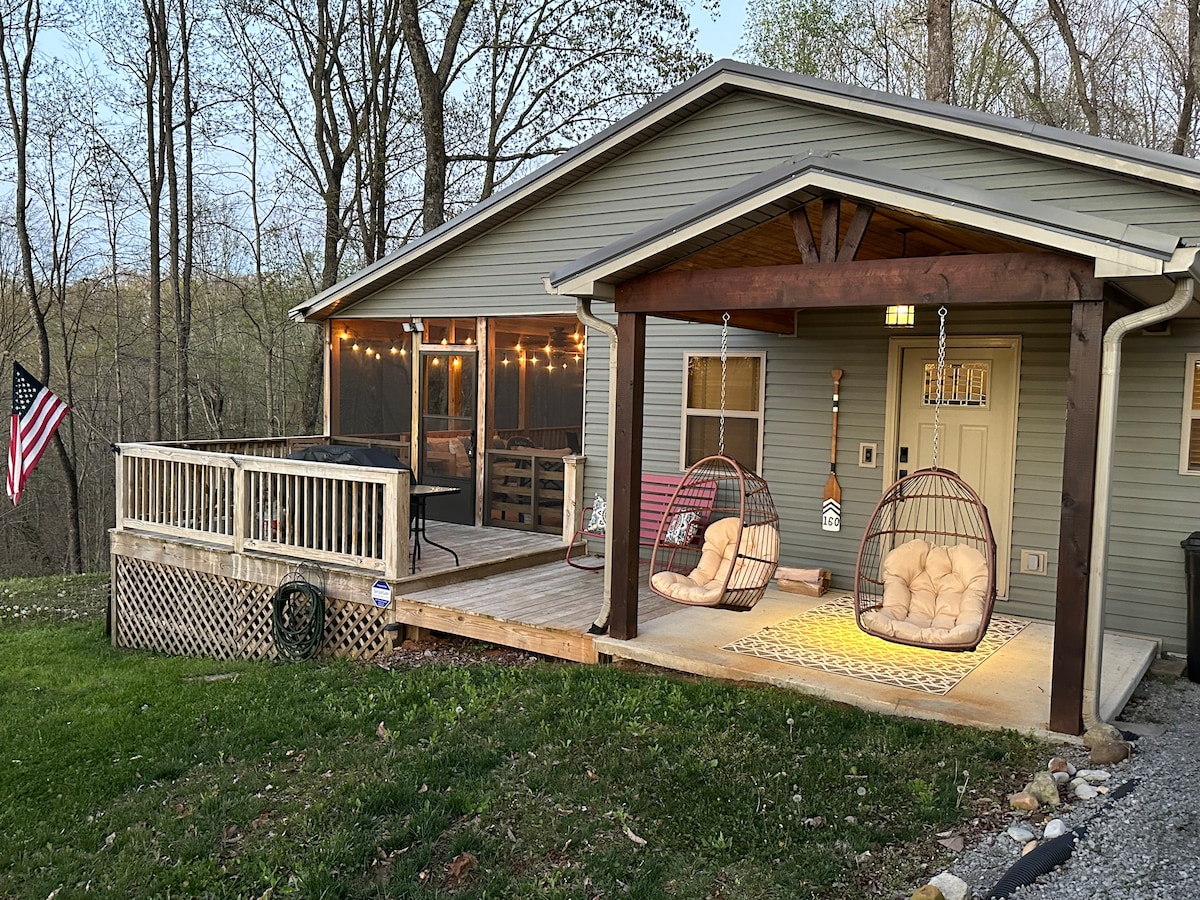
(418, 494)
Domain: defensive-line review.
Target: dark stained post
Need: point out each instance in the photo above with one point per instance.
(1075, 523)
(625, 503)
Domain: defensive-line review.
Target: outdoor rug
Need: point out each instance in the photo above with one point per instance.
(826, 637)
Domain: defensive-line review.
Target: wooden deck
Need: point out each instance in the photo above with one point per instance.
(545, 608)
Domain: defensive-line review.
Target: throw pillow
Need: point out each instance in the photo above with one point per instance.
(682, 527)
(596, 523)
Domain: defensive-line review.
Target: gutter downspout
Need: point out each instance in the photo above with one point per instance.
(583, 309)
(1096, 729)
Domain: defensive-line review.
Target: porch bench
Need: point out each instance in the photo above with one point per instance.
(656, 493)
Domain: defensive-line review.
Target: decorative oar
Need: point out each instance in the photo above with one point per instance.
(831, 510)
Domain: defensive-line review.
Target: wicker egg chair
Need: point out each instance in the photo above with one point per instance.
(718, 541)
(926, 573)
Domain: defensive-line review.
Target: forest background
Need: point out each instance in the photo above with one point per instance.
(179, 173)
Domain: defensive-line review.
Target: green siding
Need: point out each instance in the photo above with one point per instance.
(1153, 506)
(500, 273)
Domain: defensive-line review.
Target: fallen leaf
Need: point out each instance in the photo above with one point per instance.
(462, 864)
(231, 834)
(954, 843)
(641, 842)
(382, 732)
(592, 775)
(262, 819)
(182, 811)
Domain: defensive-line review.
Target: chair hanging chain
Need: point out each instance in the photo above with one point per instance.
(724, 366)
(941, 368)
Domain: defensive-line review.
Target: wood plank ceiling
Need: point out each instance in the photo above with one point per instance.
(891, 234)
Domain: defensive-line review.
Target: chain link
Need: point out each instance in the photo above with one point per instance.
(941, 369)
(724, 366)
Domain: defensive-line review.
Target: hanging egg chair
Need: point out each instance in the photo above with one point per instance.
(926, 573)
(718, 541)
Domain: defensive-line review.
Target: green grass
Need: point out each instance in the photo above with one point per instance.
(128, 774)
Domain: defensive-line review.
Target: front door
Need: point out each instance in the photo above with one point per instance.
(448, 432)
(977, 425)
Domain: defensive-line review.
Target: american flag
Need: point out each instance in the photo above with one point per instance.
(36, 413)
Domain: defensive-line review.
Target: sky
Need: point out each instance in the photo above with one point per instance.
(720, 37)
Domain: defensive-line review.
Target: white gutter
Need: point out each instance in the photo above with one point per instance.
(583, 309)
(1105, 442)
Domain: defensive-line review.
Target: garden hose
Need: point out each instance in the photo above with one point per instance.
(298, 618)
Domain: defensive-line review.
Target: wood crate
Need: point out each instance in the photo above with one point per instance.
(185, 612)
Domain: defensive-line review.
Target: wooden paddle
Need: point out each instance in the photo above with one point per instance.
(831, 509)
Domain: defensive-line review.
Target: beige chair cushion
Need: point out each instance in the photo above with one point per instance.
(705, 584)
(931, 594)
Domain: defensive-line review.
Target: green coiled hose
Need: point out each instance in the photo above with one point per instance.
(298, 618)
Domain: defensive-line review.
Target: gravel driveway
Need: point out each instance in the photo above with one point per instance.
(1143, 845)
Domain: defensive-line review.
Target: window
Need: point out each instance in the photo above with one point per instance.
(1189, 452)
(743, 408)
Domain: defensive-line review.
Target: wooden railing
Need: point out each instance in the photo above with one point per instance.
(348, 515)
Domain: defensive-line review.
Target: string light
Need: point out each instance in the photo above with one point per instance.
(355, 346)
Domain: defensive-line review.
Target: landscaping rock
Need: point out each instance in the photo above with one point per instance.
(1085, 791)
(1023, 800)
(1094, 776)
(1060, 778)
(1101, 733)
(951, 887)
(1044, 788)
(1058, 764)
(1109, 752)
(1054, 828)
(1029, 848)
(1020, 834)
(928, 892)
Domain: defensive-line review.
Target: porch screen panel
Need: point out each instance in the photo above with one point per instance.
(372, 364)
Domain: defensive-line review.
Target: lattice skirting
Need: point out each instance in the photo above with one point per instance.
(188, 613)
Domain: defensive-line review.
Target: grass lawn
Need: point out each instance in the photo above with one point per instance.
(126, 774)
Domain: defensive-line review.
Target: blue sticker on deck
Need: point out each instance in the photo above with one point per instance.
(381, 593)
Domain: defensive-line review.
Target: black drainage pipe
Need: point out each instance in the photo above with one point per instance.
(1046, 857)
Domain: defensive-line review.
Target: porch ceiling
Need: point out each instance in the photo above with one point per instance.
(892, 234)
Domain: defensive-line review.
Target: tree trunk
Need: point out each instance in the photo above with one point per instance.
(939, 62)
(1191, 76)
(1078, 76)
(432, 85)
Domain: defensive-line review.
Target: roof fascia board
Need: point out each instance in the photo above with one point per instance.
(1125, 251)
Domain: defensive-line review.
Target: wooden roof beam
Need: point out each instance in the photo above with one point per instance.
(968, 279)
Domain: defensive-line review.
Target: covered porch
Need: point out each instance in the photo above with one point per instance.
(815, 241)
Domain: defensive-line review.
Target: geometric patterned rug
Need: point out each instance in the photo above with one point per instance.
(826, 637)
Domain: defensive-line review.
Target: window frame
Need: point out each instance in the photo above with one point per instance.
(686, 412)
(1190, 414)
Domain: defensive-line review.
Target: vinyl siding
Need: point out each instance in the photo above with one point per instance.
(500, 272)
(1152, 505)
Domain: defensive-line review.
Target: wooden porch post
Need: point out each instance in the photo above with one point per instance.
(1075, 523)
(624, 509)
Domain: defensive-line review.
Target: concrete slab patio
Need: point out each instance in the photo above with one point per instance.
(1010, 689)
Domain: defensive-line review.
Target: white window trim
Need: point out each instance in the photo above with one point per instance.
(1189, 415)
(687, 411)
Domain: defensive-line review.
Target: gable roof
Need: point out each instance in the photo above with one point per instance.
(1120, 248)
(708, 87)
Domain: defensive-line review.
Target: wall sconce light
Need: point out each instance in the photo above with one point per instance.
(899, 316)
